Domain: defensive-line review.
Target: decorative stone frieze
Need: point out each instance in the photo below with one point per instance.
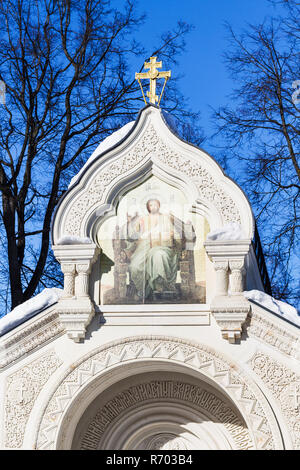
(83, 270)
(31, 337)
(172, 392)
(268, 332)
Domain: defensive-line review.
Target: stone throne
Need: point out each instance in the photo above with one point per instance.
(124, 290)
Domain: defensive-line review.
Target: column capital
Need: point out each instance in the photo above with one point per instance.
(68, 268)
(76, 253)
(236, 264)
(221, 265)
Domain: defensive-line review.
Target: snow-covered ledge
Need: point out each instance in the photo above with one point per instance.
(75, 308)
(229, 306)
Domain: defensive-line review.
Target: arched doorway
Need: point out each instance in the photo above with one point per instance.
(207, 393)
(161, 410)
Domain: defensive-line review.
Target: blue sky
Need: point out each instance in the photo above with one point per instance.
(206, 81)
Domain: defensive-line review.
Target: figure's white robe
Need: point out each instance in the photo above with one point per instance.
(154, 261)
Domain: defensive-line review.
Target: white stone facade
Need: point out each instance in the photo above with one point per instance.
(219, 375)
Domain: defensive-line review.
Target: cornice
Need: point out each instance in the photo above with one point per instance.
(30, 336)
(274, 331)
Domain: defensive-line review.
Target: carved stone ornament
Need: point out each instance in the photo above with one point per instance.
(150, 143)
(279, 338)
(284, 384)
(69, 272)
(150, 149)
(167, 441)
(230, 318)
(75, 316)
(170, 393)
(31, 337)
(229, 306)
(234, 382)
(22, 389)
(75, 309)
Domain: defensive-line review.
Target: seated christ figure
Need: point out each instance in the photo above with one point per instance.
(154, 244)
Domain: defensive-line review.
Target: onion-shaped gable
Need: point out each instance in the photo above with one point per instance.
(150, 147)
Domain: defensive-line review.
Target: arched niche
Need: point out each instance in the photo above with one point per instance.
(171, 407)
(171, 240)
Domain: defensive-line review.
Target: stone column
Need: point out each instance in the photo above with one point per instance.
(69, 279)
(222, 277)
(236, 276)
(83, 270)
(75, 308)
(229, 306)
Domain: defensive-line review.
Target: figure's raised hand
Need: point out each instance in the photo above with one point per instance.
(130, 218)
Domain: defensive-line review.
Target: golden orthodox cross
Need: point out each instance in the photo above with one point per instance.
(153, 75)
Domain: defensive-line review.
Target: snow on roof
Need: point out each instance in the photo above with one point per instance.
(171, 121)
(106, 144)
(286, 311)
(29, 309)
(73, 240)
(230, 231)
(50, 296)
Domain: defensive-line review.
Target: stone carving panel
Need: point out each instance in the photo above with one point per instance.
(285, 386)
(22, 390)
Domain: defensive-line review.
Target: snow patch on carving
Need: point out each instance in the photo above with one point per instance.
(30, 308)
